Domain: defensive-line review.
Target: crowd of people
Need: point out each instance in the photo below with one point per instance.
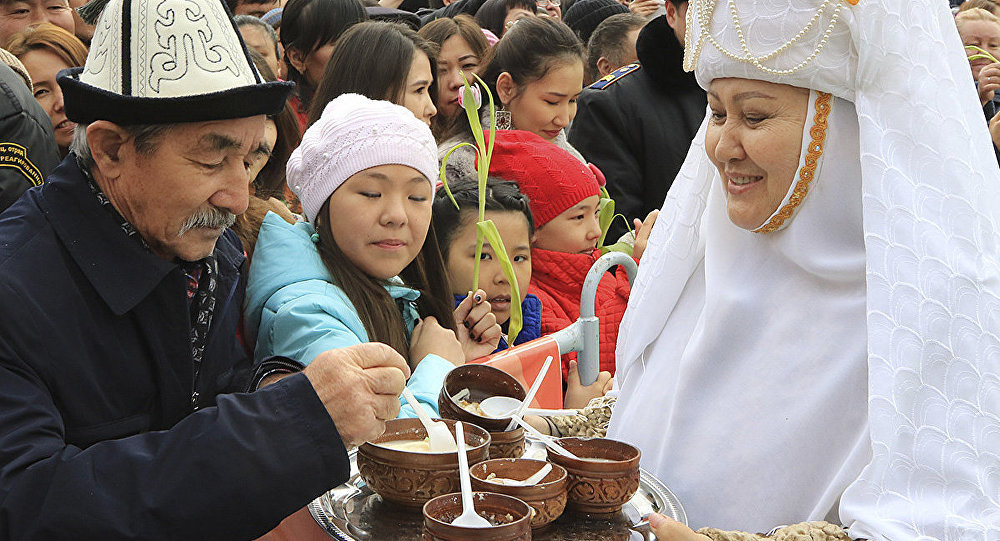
(233, 232)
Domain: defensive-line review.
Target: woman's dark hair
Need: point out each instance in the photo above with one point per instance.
(373, 59)
(440, 30)
(378, 312)
(270, 181)
(492, 13)
(501, 195)
(307, 25)
(530, 49)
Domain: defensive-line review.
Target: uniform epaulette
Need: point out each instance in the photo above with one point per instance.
(610, 78)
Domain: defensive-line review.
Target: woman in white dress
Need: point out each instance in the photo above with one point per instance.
(816, 331)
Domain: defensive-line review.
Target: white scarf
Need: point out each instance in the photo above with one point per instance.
(741, 359)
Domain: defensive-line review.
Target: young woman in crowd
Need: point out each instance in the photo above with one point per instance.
(381, 61)
(45, 50)
(309, 28)
(499, 16)
(535, 76)
(564, 195)
(366, 268)
(463, 48)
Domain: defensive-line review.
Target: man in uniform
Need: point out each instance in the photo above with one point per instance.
(637, 123)
(122, 383)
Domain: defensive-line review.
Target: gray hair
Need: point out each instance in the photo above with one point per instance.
(250, 20)
(145, 138)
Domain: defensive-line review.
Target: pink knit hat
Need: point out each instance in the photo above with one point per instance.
(552, 178)
(354, 134)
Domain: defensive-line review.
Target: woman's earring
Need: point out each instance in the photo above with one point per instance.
(503, 120)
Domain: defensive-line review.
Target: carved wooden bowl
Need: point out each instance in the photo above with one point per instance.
(482, 382)
(599, 487)
(412, 478)
(511, 516)
(547, 498)
(508, 444)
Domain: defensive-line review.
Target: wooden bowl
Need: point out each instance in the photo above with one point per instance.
(547, 498)
(511, 516)
(599, 487)
(412, 478)
(482, 381)
(508, 444)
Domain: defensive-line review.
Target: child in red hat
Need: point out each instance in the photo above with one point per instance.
(564, 195)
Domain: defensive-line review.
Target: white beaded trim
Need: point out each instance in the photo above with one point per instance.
(705, 10)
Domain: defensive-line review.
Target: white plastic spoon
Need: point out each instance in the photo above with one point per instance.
(502, 407)
(530, 481)
(469, 518)
(441, 440)
(535, 385)
(549, 441)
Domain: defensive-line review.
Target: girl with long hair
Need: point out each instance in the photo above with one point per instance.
(381, 61)
(367, 264)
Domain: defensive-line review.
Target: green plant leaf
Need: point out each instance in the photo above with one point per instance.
(606, 214)
(983, 54)
(489, 230)
(444, 165)
(620, 246)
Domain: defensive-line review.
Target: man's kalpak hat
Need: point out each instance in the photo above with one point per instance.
(168, 61)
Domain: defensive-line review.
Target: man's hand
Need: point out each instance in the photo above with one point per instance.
(668, 529)
(360, 387)
(642, 231)
(476, 325)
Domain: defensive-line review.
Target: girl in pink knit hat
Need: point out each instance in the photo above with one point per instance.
(366, 267)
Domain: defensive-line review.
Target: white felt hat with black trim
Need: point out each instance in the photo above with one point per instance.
(168, 61)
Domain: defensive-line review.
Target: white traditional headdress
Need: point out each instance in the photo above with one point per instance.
(907, 131)
(168, 61)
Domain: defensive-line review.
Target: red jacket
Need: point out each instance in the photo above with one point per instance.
(557, 279)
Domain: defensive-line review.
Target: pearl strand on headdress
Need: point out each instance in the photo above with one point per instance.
(706, 9)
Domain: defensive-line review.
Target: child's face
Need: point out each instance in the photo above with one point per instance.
(513, 228)
(379, 218)
(574, 231)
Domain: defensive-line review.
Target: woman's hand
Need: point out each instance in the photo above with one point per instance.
(989, 82)
(430, 337)
(642, 230)
(577, 395)
(477, 327)
(668, 529)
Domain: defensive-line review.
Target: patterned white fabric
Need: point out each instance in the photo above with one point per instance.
(178, 48)
(930, 196)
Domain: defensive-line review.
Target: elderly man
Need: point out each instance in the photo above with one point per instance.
(122, 382)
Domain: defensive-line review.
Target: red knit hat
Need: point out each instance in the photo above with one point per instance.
(552, 178)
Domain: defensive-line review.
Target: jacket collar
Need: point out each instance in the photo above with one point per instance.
(120, 270)
(562, 271)
(662, 56)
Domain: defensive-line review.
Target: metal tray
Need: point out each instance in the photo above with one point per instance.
(352, 512)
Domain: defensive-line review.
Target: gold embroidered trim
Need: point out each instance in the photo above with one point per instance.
(808, 170)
